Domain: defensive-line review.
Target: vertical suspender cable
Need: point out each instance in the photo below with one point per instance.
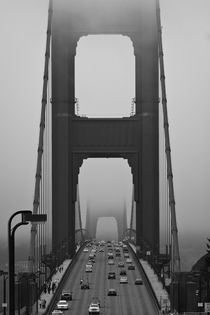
(132, 211)
(174, 231)
(46, 172)
(41, 139)
(79, 213)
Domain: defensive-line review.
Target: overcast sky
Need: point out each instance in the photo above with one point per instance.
(186, 41)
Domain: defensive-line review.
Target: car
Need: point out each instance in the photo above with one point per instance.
(88, 268)
(101, 250)
(94, 308)
(118, 254)
(85, 286)
(62, 305)
(138, 281)
(131, 267)
(110, 262)
(128, 261)
(123, 279)
(96, 300)
(112, 292)
(121, 264)
(125, 250)
(57, 312)
(111, 275)
(85, 250)
(123, 272)
(126, 255)
(66, 295)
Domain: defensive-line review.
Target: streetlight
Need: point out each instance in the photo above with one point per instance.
(27, 216)
(4, 304)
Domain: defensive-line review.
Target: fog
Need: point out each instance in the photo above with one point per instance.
(186, 41)
(105, 186)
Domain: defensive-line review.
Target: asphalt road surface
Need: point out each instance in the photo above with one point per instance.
(131, 299)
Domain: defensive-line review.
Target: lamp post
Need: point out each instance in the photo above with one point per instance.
(4, 304)
(27, 216)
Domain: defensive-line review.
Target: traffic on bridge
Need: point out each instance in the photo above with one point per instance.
(106, 279)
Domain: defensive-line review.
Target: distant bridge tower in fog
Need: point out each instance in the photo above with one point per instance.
(92, 217)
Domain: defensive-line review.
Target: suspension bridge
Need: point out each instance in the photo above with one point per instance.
(66, 139)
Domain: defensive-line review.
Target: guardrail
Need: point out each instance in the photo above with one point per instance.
(146, 280)
(59, 289)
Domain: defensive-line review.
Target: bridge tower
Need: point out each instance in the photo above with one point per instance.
(92, 219)
(76, 138)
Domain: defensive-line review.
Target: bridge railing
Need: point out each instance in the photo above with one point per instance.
(146, 279)
(50, 306)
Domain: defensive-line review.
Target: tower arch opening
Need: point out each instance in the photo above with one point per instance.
(105, 186)
(105, 76)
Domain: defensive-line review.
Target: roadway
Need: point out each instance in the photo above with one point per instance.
(131, 299)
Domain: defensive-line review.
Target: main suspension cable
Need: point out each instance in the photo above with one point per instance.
(38, 177)
(174, 231)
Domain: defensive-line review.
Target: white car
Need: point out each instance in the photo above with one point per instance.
(62, 305)
(128, 261)
(85, 250)
(110, 262)
(123, 279)
(94, 308)
(89, 268)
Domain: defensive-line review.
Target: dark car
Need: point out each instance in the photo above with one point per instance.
(111, 275)
(138, 281)
(112, 292)
(123, 272)
(131, 267)
(66, 295)
(85, 286)
(125, 250)
(121, 264)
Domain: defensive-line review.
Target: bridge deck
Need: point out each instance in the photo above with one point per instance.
(130, 297)
(161, 294)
